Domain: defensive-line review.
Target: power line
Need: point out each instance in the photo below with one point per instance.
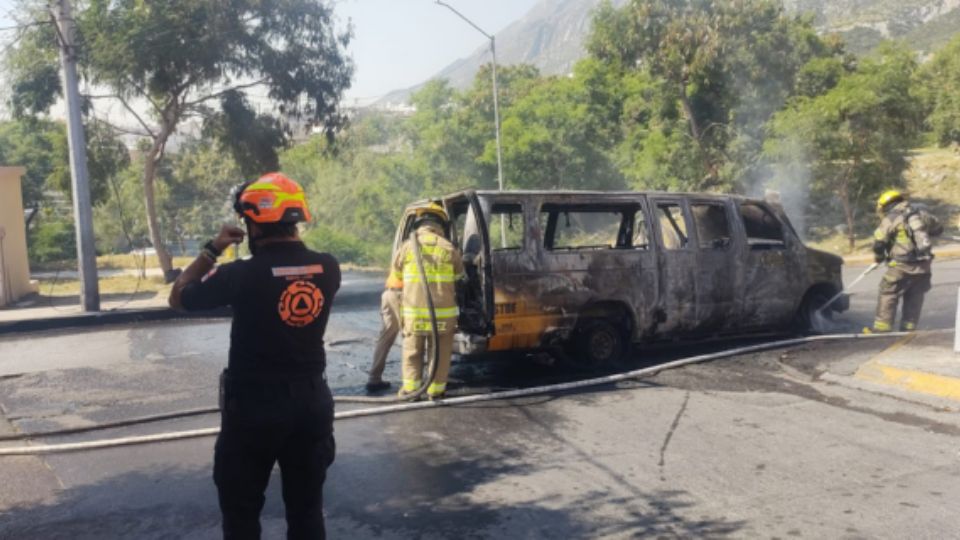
(23, 26)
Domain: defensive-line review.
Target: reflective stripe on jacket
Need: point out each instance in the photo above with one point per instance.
(443, 267)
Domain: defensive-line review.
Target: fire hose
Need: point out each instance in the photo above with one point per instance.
(869, 269)
(431, 374)
(404, 407)
(435, 348)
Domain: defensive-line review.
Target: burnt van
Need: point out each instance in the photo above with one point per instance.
(593, 272)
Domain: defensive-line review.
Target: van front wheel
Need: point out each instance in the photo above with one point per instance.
(599, 342)
(809, 318)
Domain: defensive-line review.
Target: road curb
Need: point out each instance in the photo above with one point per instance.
(931, 384)
(87, 320)
(159, 314)
(877, 371)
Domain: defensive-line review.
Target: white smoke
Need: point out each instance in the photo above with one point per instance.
(788, 184)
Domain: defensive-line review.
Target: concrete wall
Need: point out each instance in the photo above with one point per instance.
(14, 268)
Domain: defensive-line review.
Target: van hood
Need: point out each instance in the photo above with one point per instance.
(824, 258)
(824, 267)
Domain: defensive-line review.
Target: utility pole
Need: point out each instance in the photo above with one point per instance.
(80, 181)
(496, 108)
(496, 105)
(496, 111)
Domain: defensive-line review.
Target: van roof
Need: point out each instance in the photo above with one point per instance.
(585, 193)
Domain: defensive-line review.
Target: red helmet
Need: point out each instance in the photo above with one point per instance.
(273, 198)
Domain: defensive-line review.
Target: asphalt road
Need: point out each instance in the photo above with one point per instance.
(756, 446)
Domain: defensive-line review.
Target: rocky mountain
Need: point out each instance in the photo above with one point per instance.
(551, 35)
(925, 24)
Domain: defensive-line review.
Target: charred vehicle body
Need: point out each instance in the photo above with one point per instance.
(593, 272)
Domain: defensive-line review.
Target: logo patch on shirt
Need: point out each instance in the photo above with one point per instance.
(288, 271)
(300, 304)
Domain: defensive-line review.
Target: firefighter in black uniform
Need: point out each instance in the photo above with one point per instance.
(276, 406)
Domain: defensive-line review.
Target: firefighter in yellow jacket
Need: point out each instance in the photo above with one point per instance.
(904, 241)
(443, 267)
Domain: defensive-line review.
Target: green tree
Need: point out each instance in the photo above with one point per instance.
(552, 139)
(940, 83)
(193, 192)
(852, 141)
(198, 179)
(451, 135)
(106, 157)
(445, 148)
(40, 146)
(357, 190)
(178, 59)
(715, 70)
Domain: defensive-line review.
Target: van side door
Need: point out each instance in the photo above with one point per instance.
(719, 276)
(470, 235)
(770, 284)
(517, 316)
(597, 254)
(677, 265)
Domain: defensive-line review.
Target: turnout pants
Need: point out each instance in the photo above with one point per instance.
(289, 422)
(390, 320)
(897, 284)
(417, 353)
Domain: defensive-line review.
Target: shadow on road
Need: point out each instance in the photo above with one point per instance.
(443, 488)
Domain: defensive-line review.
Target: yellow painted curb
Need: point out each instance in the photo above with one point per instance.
(915, 381)
(907, 379)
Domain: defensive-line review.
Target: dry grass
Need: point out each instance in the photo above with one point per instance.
(932, 179)
(839, 243)
(109, 285)
(130, 261)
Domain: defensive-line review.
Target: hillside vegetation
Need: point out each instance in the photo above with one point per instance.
(728, 96)
(553, 35)
(932, 178)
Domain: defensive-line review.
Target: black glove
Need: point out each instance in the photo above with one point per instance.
(879, 251)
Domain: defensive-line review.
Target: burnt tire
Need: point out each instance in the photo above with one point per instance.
(598, 343)
(809, 319)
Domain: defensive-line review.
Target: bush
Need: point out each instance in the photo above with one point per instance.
(52, 241)
(347, 248)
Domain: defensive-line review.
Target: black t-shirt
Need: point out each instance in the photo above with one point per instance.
(281, 300)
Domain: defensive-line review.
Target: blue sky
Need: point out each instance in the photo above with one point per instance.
(399, 43)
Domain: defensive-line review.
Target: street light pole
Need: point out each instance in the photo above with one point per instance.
(496, 111)
(496, 92)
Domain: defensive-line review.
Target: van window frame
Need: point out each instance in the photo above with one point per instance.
(643, 210)
(782, 244)
(655, 205)
(731, 222)
(554, 209)
(495, 235)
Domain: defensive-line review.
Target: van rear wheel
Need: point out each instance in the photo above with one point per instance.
(598, 343)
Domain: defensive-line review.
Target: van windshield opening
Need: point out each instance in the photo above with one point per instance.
(764, 230)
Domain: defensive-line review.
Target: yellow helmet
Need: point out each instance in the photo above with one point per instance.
(889, 197)
(434, 209)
